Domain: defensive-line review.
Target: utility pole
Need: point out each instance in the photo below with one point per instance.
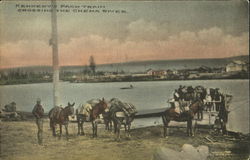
(55, 59)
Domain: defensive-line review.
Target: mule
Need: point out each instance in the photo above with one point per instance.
(92, 114)
(97, 110)
(121, 117)
(83, 115)
(186, 116)
(107, 120)
(59, 115)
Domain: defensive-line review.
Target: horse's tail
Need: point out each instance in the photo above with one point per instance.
(50, 112)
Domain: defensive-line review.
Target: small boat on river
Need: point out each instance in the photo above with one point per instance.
(130, 87)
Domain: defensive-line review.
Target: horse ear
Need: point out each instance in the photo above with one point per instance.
(103, 99)
(73, 104)
(68, 104)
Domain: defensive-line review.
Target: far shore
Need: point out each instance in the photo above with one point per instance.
(17, 82)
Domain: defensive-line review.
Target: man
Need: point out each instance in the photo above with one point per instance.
(38, 112)
(217, 98)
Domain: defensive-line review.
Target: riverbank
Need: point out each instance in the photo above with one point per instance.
(18, 141)
(232, 76)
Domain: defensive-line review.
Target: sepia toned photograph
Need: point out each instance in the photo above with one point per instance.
(124, 80)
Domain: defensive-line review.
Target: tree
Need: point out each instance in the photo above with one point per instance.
(92, 64)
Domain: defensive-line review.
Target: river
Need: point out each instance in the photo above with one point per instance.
(144, 95)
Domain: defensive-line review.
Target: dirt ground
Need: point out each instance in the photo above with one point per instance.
(19, 142)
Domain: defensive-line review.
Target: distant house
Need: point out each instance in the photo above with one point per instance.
(236, 66)
(74, 77)
(46, 77)
(170, 72)
(204, 69)
(157, 73)
(150, 72)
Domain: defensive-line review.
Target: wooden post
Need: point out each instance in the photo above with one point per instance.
(55, 59)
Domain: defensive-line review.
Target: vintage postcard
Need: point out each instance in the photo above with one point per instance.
(124, 80)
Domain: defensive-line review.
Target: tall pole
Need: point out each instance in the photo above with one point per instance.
(54, 53)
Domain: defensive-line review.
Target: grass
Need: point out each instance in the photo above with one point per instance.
(19, 142)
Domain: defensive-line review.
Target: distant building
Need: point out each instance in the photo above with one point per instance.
(150, 72)
(204, 69)
(236, 66)
(170, 72)
(74, 77)
(46, 77)
(157, 72)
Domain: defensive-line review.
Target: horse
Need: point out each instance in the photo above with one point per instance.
(186, 116)
(83, 115)
(90, 112)
(120, 115)
(59, 115)
(107, 120)
(94, 115)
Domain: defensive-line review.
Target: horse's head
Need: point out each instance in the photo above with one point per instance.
(70, 108)
(103, 104)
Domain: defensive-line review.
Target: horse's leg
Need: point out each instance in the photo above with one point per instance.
(82, 131)
(93, 129)
(105, 123)
(52, 125)
(60, 130)
(115, 126)
(118, 131)
(129, 125)
(201, 114)
(125, 127)
(79, 126)
(110, 124)
(165, 125)
(188, 127)
(66, 129)
(96, 129)
(191, 128)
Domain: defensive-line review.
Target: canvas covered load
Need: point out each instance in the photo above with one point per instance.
(84, 109)
(93, 102)
(87, 107)
(118, 105)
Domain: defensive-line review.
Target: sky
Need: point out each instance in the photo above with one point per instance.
(141, 31)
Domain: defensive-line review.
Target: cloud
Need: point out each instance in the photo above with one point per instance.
(145, 41)
(23, 53)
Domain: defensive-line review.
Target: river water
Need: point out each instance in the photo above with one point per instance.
(144, 95)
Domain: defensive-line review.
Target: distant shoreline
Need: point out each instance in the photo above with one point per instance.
(108, 81)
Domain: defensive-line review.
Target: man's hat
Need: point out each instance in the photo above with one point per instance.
(38, 100)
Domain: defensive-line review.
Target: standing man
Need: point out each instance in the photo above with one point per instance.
(38, 112)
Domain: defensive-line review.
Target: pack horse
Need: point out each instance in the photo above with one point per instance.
(59, 115)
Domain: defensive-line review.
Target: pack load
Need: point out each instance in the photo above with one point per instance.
(84, 109)
(93, 102)
(118, 105)
(129, 108)
(55, 112)
(10, 107)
